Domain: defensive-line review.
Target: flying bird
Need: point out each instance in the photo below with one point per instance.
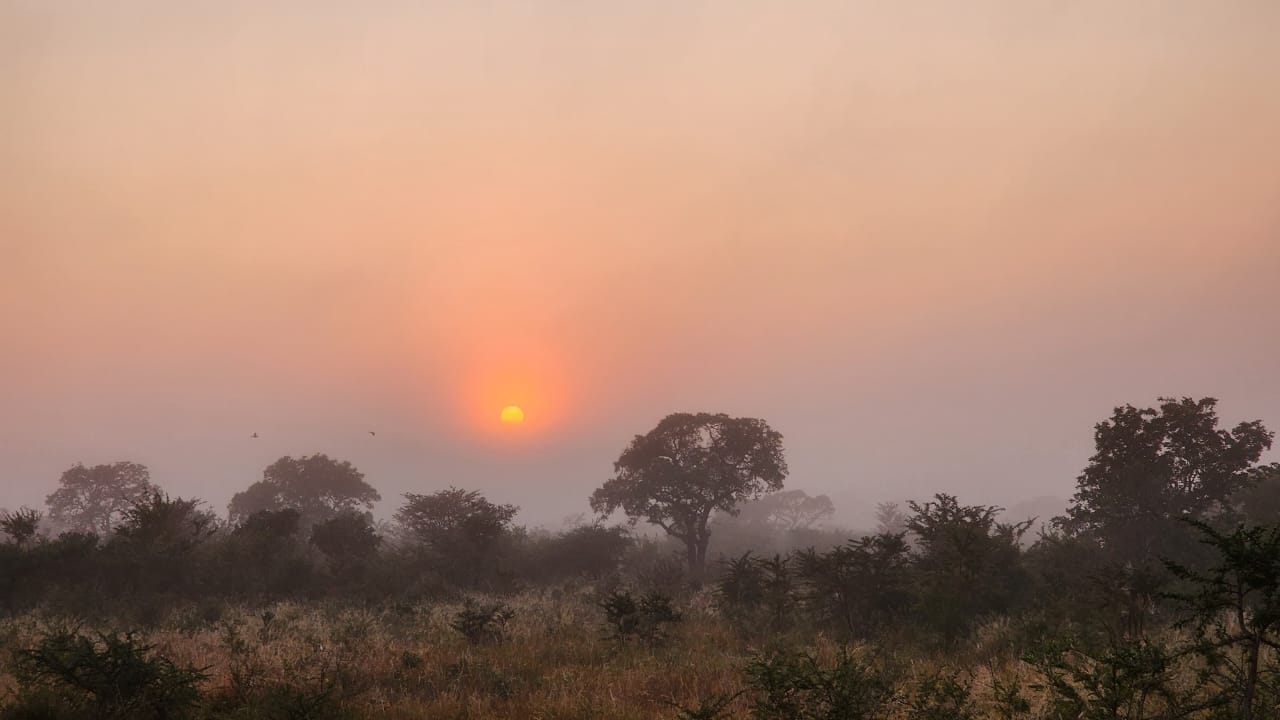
(372, 433)
(254, 436)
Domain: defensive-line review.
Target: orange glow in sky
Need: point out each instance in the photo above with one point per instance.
(856, 220)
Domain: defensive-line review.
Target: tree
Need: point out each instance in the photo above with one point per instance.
(890, 519)
(317, 486)
(20, 525)
(94, 499)
(1155, 466)
(1233, 609)
(462, 528)
(1259, 503)
(790, 510)
(969, 564)
(159, 524)
(688, 467)
(346, 540)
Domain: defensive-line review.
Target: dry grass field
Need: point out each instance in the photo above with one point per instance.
(555, 660)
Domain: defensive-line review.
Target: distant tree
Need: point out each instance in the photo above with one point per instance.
(163, 524)
(20, 525)
(789, 510)
(591, 550)
(346, 540)
(94, 499)
(1155, 466)
(462, 528)
(270, 523)
(688, 467)
(890, 519)
(968, 563)
(317, 486)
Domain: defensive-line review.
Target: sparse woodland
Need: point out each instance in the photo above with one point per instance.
(1155, 596)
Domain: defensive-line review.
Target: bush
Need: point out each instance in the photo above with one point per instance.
(757, 593)
(641, 619)
(482, 622)
(108, 676)
(942, 697)
(796, 686)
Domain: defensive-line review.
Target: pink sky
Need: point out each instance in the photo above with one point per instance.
(931, 243)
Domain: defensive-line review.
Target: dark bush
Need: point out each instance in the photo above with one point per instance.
(796, 686)
(482, 622)
(643, 619)
(108, 676)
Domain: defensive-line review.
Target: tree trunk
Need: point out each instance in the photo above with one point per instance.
(691, 554)
(1250, 681)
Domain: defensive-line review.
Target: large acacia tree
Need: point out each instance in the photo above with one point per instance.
(689, 467)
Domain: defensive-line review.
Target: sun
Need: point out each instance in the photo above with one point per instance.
(512, 415)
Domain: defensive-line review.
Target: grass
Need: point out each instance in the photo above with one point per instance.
(554, 661)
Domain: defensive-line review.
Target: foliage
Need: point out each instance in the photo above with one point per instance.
(1130, 679)
(942, 696)
(630, 618)
(110, 676)
(796, 686)
(788, 510)
(1155, 466)
(20, 525)
(890, 519)
(968, 564)
(861, 586)
(758, 593)
(347, 541)
(587, 550)
(1259, 502)
(1233, 611)
(688, 467)
(317, 486)
(482, 622)
(94, 499)
(461, 529)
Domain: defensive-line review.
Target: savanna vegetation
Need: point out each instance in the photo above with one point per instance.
(1155, 596)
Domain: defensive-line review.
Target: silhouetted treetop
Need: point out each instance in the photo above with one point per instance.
(94, 499)
(690, 466)
(1154, 465)
(317, 486)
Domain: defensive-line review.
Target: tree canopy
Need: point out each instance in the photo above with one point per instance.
(94, 499)
(317, 486)
(1154, 466)
(688, 467)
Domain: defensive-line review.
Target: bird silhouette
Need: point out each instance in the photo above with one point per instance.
(254, 436)
(372, 433)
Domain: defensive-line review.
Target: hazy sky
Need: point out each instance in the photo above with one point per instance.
(931, 242)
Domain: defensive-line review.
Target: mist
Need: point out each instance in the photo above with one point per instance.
(931, 246)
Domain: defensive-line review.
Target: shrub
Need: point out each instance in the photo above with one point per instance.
(796, 686)
(942, 697)
(642, 619)
(757, 593)
(1134, 679)
(108, 676)
(482, 622)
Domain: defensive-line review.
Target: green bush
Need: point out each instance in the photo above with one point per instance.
(482, 622)
(643, 618)
(107, 676)
(796, 686)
